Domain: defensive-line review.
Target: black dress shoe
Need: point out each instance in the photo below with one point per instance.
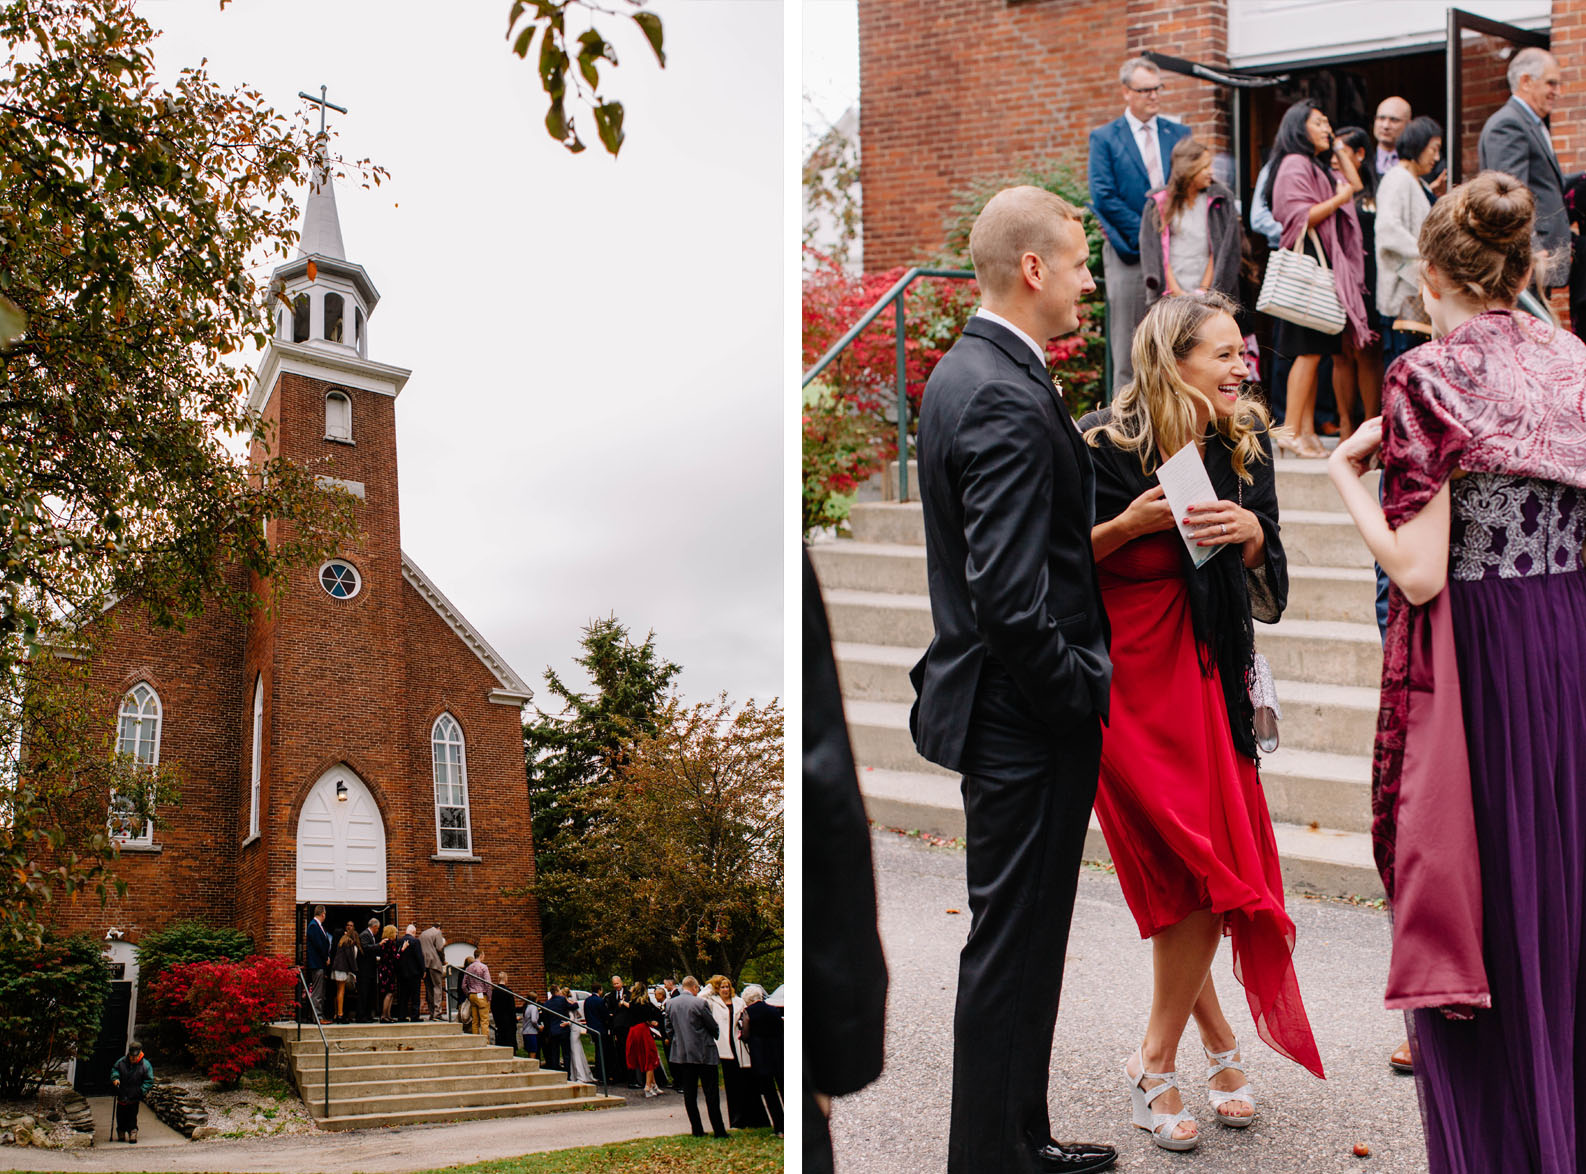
(1074, 1157)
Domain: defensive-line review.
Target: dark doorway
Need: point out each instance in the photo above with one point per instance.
(336, 919)
(93, 1070)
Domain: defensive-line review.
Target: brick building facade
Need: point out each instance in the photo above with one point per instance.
(360, 743)
(958, 91)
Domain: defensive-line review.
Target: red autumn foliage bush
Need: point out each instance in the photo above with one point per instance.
(223, 1008)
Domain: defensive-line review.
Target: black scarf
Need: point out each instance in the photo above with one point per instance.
(1219, 593)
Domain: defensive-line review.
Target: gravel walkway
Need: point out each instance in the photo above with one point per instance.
(899, 1124)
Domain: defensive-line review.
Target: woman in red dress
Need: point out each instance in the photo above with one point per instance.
(1179, 799)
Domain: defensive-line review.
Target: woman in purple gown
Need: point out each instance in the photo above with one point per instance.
(1481, 741)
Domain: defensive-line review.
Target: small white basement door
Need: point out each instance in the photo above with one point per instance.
(341, 843)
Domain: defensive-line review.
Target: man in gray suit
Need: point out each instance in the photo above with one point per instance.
(1516, 140)
(694, 1054)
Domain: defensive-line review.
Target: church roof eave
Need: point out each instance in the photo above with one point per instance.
(514, 690)
(337, 366)
(332, 266)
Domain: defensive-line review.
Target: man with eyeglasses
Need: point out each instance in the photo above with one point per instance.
(1517, 141)
(1128, 160)
(1393, 115)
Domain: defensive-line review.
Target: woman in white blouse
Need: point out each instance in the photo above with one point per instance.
(1403, 200)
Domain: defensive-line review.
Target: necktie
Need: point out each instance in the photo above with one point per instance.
(1152, 157)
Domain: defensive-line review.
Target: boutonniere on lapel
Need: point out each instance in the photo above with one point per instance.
(1057, 383)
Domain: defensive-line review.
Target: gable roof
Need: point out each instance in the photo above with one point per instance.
(514, 690)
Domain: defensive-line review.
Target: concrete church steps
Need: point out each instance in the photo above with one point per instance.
(1325, 655)
(412, 1073)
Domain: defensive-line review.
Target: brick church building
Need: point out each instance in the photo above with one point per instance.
(954, 92)
(360, 745)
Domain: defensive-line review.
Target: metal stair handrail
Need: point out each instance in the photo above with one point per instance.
(600, 1036)
(895, 296)
(308, 997)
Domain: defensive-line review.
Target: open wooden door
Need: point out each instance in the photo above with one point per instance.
(1479, 51)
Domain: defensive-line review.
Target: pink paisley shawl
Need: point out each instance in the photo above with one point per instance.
(1502, 393)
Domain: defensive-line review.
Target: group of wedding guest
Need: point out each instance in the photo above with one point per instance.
(1479, 825)
(1481, 529)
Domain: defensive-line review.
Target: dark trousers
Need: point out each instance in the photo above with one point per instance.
(768, 1088)
(817, 1136)
(1027, 803)
(126, 1116)
(367, 995)
(555, 1050)
(407, 997)
(691, 1077)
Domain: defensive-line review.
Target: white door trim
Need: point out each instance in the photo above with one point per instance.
(341, 844)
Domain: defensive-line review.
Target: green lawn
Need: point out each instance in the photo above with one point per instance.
(750, 1151)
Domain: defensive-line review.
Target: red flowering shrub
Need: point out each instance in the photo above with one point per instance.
(842, 447)
(223, 1008)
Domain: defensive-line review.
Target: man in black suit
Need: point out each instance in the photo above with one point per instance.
(598, 1018)
(368, 951)
(554, 1032)
(1014, 686)
(409, 974)
(1516, 140)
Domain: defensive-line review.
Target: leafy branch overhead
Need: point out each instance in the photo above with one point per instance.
(558, 56)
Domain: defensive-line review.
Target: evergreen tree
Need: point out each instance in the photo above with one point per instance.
(572, 752)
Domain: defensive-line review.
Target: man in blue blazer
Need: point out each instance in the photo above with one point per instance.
(1129, 157)
(319, 947)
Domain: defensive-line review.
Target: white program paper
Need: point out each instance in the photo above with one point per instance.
(1185, 483)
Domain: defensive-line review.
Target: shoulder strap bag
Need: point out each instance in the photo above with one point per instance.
(1299, 288)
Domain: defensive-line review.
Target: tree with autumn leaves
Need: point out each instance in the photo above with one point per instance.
(133, 219)
(664, 855)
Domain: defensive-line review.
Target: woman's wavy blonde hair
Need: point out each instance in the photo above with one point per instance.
(1154, 414)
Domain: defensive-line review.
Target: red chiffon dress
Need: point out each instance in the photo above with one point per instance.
(1182, 810)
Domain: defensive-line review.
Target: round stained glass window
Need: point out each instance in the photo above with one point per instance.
(339, 579)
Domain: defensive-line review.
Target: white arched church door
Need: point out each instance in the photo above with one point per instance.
(341, 843)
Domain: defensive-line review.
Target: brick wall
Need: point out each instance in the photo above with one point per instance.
(197, 673)
(954, 91)
(1569, 119)
(1484, 77)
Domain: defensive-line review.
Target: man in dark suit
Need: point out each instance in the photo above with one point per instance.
(409, 975)
(1129, 157)
(1014, 686)
(319, 948)
(368, 952)
(598, 1018)
(554, 1031)
(616, 1038)
(694, 1056)
(1517, 141)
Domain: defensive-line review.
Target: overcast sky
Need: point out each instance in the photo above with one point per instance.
(593, 424)
(829, 77)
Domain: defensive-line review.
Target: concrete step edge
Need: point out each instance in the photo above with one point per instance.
(466, 1112)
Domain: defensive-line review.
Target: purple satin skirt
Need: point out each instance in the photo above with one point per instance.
(1506, 1090)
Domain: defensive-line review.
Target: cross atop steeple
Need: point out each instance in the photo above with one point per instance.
(323, 105)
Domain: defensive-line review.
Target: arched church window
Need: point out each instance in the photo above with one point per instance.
(340, 579)
(300, 318)
(137, 738)
(451, 787)
(333, 316)
(358, 339)
(338, 416)
(258, 736)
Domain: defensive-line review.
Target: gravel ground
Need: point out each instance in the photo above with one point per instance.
(899, 1124)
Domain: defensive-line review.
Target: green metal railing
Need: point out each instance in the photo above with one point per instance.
(895, 297)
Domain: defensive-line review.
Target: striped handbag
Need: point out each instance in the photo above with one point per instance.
(1299, 289)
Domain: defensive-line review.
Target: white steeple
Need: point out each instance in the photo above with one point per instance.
(321, 236)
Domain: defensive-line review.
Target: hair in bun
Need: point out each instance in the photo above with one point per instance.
(1479, 236)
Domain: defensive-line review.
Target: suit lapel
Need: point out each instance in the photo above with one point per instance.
(1129, 147)
(1539, 134)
